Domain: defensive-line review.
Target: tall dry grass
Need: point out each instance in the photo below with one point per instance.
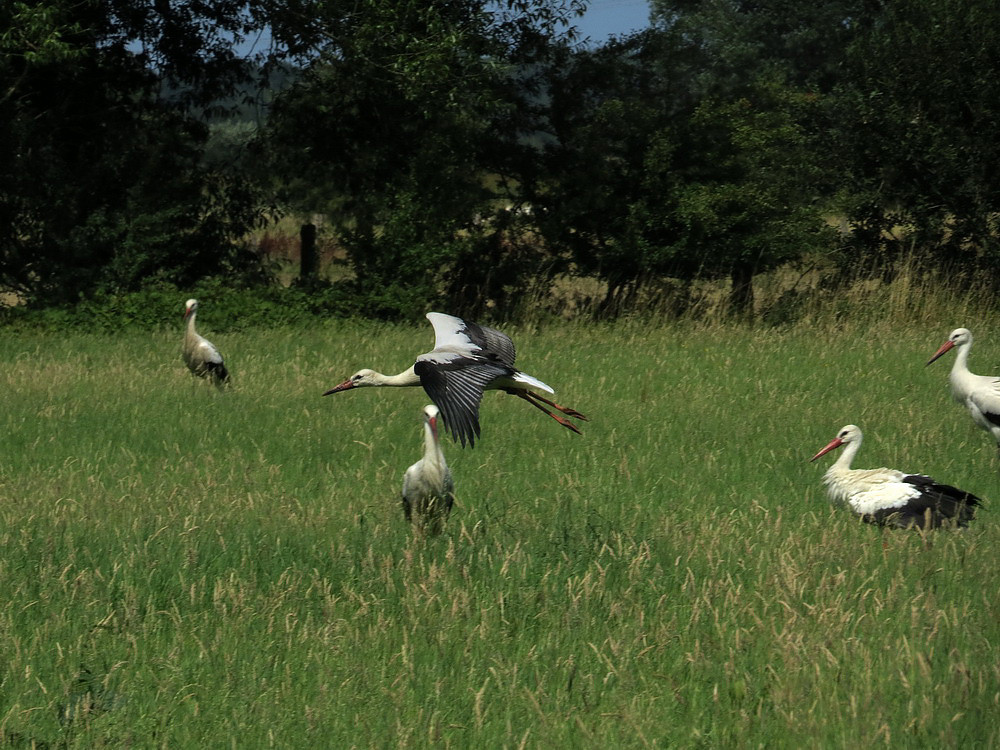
(811, 293)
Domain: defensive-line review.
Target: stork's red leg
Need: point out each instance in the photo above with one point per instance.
(564, 409)
(526, 395)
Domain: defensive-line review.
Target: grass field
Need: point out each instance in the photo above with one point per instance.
(183, 568)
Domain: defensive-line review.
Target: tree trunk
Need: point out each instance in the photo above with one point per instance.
(741, 293)
(307, 252)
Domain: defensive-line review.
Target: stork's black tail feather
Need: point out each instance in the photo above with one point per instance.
(937, 505)
(218, 372)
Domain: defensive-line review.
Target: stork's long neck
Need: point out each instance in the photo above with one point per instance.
(190, 335)
(432, 448)
(839, 478)
(961, 365)
(435, 470)
(842, 466)
(405, 378)
(962, 381)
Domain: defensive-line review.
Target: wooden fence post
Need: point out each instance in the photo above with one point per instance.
(307, 251)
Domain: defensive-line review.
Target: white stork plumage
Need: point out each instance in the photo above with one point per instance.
(428, 489)
(200, 355)
(980, 394)
(467, 359)
(887, 497)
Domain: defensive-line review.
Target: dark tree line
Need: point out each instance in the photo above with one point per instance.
(467, 153)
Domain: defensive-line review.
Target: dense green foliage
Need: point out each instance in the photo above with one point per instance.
(160, 306)
(407, 107)
(467, 154)
(916, 129)
(102, 184)
(184, 568)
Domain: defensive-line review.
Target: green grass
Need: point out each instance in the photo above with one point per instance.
(183, 568)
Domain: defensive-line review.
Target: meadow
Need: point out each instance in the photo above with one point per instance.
(187, 568)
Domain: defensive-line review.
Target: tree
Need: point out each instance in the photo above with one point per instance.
(102, 184)
(610, 111)
(917, 117)
(906, 107)
(654, 175)
(742, 42)
(753, 205)
(404, 130)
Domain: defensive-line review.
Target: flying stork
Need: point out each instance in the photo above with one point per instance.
(980, 394)
(887, 497)
(467, 359)
(200, 355)
(428, 489)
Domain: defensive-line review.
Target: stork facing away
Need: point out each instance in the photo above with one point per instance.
(887, 497)
(467, 359)
(200, 355)
(980, 394)
(428, 489)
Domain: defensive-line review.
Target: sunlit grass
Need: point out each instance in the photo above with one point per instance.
(187, 568)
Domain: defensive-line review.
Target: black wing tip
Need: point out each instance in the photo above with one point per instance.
(464, 433)
(927, 518)
(944, 491)
(938, 505)
(219, 373)
(464, 428)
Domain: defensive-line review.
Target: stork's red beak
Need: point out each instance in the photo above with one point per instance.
(342, 387)
(433, 422)
(945, 347)
(835, 443)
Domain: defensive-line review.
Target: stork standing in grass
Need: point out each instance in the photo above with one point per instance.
(200, 355)
(980, 394)
(467, 360)
(428, 489)
(887, 497)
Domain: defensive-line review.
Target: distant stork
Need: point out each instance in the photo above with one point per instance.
(200, 355)
(467, 359)
(980, 394)
(428, 489)
(887, 497)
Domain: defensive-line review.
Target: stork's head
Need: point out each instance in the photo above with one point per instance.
(360, 379)
(431, 413)
(958, 337)
(849, 434)
(190, 307)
